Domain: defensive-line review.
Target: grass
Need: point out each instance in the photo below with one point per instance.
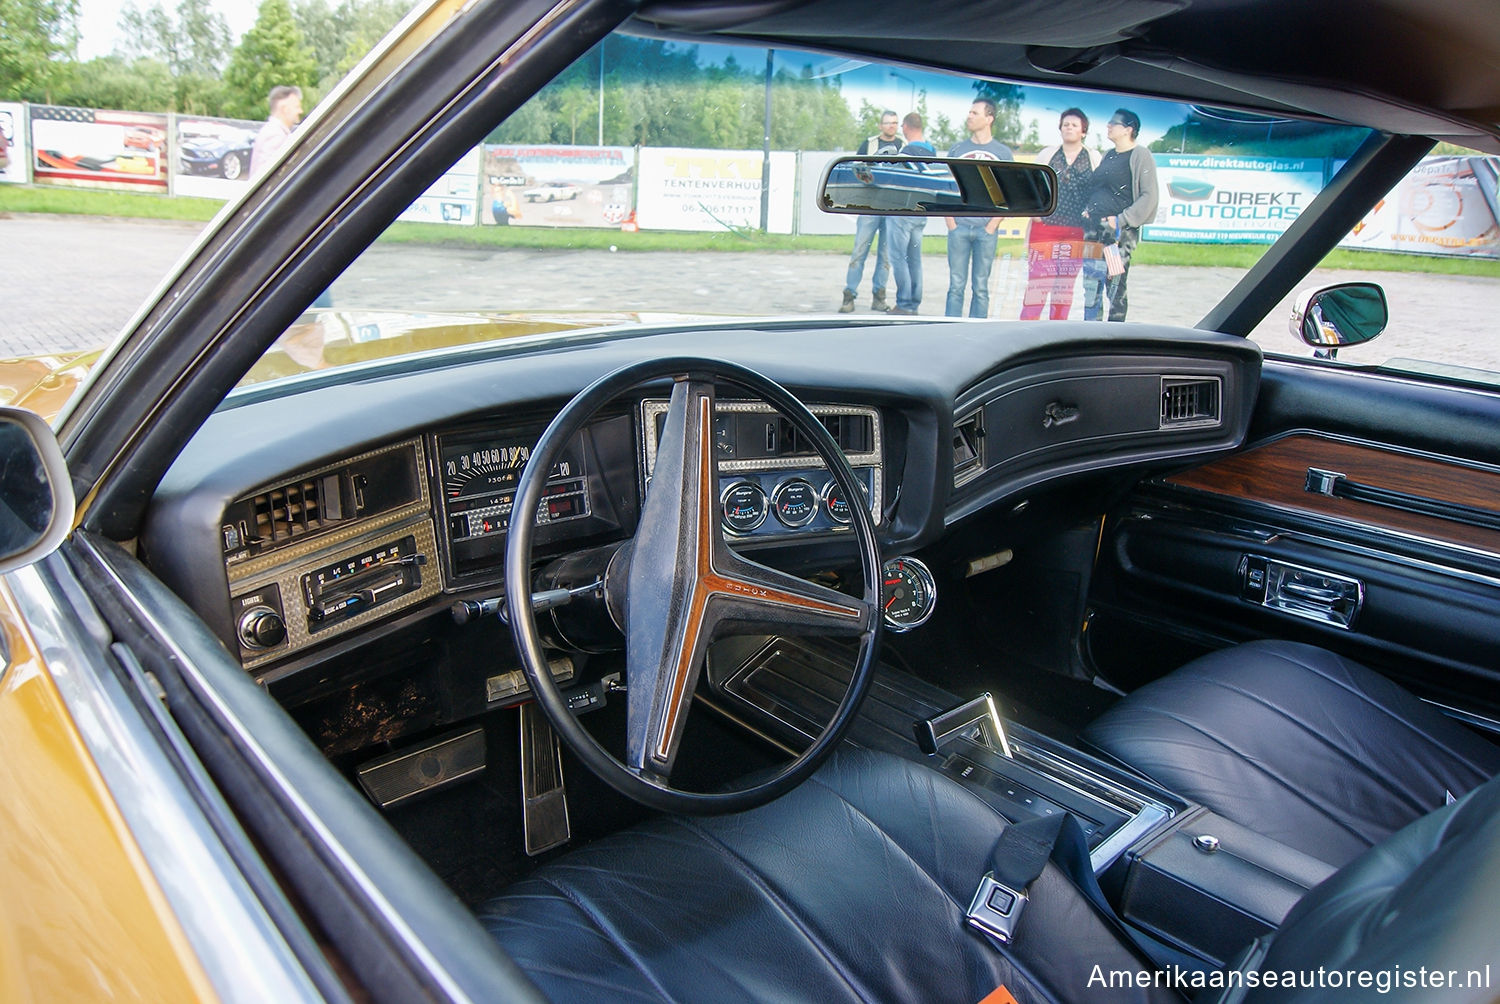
(24, 199)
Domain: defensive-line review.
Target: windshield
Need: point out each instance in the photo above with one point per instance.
(661, 182)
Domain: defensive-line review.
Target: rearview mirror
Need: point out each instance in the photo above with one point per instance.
(1350, 313)
(36, 495)
(937, 186)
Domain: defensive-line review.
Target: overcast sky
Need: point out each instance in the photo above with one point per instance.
(98, 22)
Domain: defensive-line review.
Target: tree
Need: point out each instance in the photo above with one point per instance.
(1007, 98)
(273, 52)
(36, 36)
(113, 82)
(193, 44)
(341, 35)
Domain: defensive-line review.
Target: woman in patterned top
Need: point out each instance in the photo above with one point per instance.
(1054, 249)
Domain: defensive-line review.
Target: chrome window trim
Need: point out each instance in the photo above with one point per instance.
(248, 743)
(236, 942)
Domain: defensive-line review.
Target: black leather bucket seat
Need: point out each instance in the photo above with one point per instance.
(855, 885)
(1297, 743)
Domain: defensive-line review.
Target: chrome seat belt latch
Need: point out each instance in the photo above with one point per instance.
(996, 908)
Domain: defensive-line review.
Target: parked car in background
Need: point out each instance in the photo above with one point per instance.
(223, 153)
(551, 191)
(641, 657)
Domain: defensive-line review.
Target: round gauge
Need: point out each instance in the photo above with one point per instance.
(835, 504)
(908, 593)
(795, 501)
(745, 506)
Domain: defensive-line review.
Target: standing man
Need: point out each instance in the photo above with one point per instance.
(1121, 200)
(1054, 247)
(905, 232)
(867, 228)
(971, 239)
(286, 112)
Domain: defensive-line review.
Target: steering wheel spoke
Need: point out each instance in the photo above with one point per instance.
(683, 587)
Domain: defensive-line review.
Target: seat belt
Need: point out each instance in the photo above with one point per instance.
(1020, 855)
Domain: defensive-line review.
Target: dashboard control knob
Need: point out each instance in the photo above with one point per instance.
(262, 628)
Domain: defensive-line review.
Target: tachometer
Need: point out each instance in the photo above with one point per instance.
(908, 593)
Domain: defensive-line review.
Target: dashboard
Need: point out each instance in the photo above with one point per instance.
(326, 551)
(291, 546)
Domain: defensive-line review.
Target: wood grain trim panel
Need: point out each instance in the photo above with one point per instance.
(1275, 474)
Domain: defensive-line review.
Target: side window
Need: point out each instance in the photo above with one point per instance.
(1433, 245)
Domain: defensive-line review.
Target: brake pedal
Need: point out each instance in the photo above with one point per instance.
(544, 800)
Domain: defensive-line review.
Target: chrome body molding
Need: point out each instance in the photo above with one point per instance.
(315, 826)
(236, 942)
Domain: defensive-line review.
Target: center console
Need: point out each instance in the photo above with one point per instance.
(1184, 875)
(786, 689)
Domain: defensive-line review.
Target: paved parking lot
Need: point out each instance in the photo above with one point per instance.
(74, 282)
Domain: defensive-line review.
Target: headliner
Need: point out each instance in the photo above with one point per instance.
(1423, 67)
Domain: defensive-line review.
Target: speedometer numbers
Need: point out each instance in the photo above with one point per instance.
(908, 594)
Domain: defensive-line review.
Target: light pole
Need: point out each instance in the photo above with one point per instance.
(911, 101)
(601, 93)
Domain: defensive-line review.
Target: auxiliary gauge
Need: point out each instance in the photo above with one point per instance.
(745, 507)
(907, 594)
(795, 501)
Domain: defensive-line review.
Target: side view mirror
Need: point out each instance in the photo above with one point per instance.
(1350, 313)
(937, 186)
(36, 494)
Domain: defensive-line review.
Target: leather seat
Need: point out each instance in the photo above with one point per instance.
(1297, 743)
(854, 886)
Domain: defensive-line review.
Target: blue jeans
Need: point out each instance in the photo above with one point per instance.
(906, 260)
(865, 232)
(971, 252)
(1094, 278)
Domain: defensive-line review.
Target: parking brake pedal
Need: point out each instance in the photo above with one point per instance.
(544, 800)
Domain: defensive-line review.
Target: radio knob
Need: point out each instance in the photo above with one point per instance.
(262, 628)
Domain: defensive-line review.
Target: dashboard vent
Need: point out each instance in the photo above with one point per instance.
(1189, 401)
(290, 511)
(968, 447)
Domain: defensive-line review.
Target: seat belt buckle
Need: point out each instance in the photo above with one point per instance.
(996, 908)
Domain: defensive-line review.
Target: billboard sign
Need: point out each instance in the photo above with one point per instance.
(451, 199)
(713, 189)
(557, 186)
(13, 147)
(213, 156)
(1445, 205)
(85, 148)
(1226, 199)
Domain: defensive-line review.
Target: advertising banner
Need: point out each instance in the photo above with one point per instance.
(213, 156)
(452, 198)
(557, 186)
(84, 148)
(1230, 199)
(713, 189)
(1446, 205)
(13, 158)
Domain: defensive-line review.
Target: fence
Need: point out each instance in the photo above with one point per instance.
(1447, 206)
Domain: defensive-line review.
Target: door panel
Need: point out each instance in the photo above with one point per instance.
(1399, 567)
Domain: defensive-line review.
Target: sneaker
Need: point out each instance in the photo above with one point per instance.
(877, 302)
(847, 307)
(903, 310)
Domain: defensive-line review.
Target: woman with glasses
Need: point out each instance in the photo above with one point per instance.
(1122, 199)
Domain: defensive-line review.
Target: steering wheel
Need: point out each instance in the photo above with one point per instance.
(680, 587)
